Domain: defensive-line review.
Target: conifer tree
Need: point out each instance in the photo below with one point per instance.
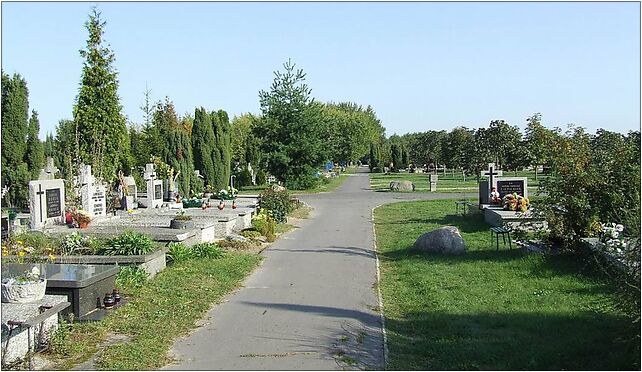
(35, 154)
(203, 143)
(15, 118)
(101, 128)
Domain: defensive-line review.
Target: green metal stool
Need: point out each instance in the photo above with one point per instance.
(503, 231)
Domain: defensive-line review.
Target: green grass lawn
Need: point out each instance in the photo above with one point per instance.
(323, 187)
(166, 308)
(445, 183)
(504, 310)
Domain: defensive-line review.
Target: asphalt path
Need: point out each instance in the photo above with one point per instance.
(312, 304)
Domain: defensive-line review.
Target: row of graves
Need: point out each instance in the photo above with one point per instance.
(84, 285)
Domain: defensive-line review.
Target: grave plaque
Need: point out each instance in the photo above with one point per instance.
(512, 185)
(54, 205)
(131, 190)
(158, 191)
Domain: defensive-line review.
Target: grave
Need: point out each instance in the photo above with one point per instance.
(83, 285)
(486, 186)
(47, 202)
(130, 197)
(154, 195)
(433, 182)
(92, 193)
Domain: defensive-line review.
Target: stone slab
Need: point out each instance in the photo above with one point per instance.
(16, 347)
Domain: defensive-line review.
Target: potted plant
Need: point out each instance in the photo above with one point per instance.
(181, 221)
(82, 218)
(31, 283)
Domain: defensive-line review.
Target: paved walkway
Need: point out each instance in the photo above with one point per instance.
(312, 303)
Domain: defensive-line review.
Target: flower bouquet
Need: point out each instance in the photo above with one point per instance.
(514, 202)
(82, 218)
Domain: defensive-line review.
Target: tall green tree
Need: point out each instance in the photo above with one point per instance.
(457, 141)
(35, 155)
(222, 157)
(21, 148)
(101, 127)
(176, 150)
(292, 130)
(203, 144)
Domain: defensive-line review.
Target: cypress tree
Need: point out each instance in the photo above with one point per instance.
(220, 178)
(97, 113)
(35, 155)
(15, 118)
(203, 143)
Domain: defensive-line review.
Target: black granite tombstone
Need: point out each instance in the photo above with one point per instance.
(484, 195)
(510, 186)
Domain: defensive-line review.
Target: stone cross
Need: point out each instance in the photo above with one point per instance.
(490, 173)
(150, 173)
(50, 170)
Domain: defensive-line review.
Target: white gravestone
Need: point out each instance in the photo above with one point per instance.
(47, 202)
(433, 182)
(131, 192)
(154, 187)
(92, 193)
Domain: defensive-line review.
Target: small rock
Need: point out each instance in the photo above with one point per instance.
(446, 240)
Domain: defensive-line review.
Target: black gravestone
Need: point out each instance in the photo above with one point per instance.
(5, 228)
(53, 203)
(158, 192)
(484, 196)
(506, 187)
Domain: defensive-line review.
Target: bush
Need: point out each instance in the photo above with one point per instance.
(129, 243)
(37, 240)
(131, 277)
(178, 252)
(77, 244)
(250, 234)
(276, 203)
(261, 178)
(207, 250)
(264, 224)
(243, 178)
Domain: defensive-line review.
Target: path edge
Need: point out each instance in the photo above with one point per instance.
(380, 298)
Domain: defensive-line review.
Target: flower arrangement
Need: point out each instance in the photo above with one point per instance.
(514, 202)
(81, 217)
(227, 194)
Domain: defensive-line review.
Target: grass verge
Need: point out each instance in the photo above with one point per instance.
(166, 308)
(445, 183)
(490, 310)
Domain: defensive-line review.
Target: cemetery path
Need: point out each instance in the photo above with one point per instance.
(312, 305)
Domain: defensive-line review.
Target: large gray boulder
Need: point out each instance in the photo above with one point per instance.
(446, 240)
(402, 186)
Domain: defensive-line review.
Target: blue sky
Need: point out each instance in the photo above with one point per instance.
(422, 66)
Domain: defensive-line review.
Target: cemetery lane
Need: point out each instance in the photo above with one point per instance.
(312, 303)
